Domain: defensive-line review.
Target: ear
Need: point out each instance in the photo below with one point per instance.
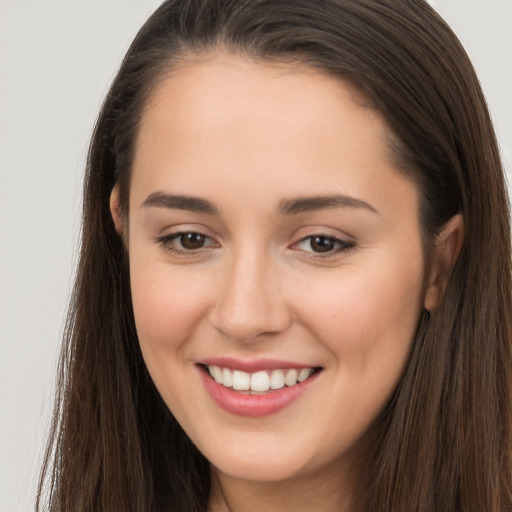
(115, 210)
(446, 251)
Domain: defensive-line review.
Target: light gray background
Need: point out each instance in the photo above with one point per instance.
(57, 59)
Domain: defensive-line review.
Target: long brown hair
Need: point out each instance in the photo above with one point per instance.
(444, 440)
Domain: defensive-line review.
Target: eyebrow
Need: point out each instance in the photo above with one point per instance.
(286, 206)
(308, 204)
(180, 202)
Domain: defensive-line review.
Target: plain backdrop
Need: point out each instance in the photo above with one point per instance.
(57, 58)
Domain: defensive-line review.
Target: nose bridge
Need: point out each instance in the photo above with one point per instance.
(249, 301)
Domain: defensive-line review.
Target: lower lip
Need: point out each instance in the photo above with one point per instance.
(254, 406)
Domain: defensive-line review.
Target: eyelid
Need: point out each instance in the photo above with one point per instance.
(167, 239)
(345, 244)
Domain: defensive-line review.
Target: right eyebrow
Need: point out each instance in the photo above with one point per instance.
(180, 202)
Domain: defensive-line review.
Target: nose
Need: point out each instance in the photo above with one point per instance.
(249, 304)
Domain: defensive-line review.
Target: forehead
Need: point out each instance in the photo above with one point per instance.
(203, 87)
(262, 127)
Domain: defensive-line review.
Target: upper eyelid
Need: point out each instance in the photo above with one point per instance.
(177, 234)
(311, 231)
(167, 241)
(326, 235)
(331, 256)
(340, 240)
(343, 239)
(181, 229)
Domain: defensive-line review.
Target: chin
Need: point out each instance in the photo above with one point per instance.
(271, 461)
(259, 470)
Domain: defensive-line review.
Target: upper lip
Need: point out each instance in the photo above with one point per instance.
(254, 365)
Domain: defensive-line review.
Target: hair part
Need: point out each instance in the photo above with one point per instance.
(444, 440)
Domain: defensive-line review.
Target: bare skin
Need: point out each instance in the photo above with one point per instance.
(268, 222)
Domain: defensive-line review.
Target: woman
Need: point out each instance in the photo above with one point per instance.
(294, 285)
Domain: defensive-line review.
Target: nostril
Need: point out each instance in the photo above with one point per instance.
(245, 328)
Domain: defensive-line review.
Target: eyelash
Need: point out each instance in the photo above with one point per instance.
(343, 246)
(166, 242)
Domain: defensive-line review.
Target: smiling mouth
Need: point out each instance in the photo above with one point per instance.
(260, 382)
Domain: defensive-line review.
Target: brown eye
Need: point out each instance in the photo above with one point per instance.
(192, 241)
(186, 242)
(322, 243)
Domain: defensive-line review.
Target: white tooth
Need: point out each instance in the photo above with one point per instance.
(277, 379)
(227, 377)
(291, 378)
(260, 381)
(241, 380)
(216, 373)
(304, 374)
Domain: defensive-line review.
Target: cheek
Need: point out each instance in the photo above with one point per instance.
(368, 326)
(168, 309)
(167, 305)
(367, 319)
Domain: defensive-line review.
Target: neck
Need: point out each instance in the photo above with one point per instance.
(328, 492)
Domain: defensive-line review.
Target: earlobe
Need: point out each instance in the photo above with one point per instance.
(446, 252)
(115, 210)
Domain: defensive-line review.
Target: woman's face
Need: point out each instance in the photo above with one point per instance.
(274, 249)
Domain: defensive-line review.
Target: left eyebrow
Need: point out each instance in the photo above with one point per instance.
(308, 204)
